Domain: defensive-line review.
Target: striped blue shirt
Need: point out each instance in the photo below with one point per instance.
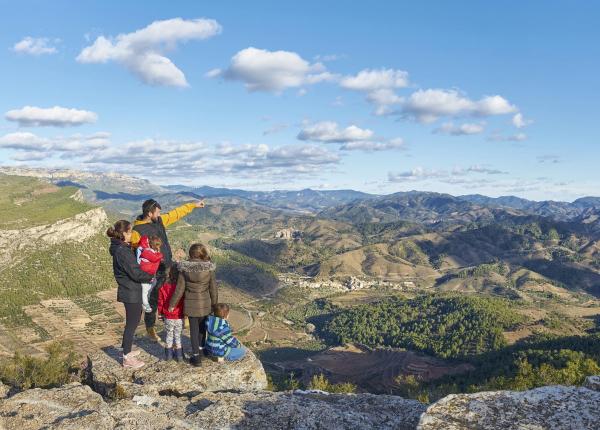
(219, 339)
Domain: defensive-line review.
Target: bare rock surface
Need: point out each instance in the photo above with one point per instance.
(553, 407)
(76, 406)
(592, 382)
(106, 374)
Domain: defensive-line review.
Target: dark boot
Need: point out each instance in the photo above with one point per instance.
(168, 354)
(195, 361)
(178, 354)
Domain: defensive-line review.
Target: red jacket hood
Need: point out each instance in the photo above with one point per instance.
(144, 242)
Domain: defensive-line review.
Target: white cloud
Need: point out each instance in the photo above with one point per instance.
(459, 130)
(23, 141)
(427, 106)
(275, 128)
(379, 85)
(397, 143)
(329, 132)
(519, 121)
(272, 71)
(447, 176)
(352, 138)
(497, 137)
(57, 116)
(35, 46)
(142, 51)
(30, 156)
(375, 79)
(76, 144)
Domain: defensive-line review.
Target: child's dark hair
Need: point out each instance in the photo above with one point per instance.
(155, 242)
(120, 227)
(172, 274)
(198, 251)
(221, 310)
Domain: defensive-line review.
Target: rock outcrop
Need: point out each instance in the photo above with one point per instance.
(76, 406)
(78, 228)
(105, 373)
(554, 407)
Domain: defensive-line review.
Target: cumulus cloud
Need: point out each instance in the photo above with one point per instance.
(329, 132)
(375, 79)
(23, 141)
(36, 46)
(519, 121)
(459, 130)
(454, 175)
(142, 52)
(173, 159)
(379, 86)
(427, 106)
(32, 146)
(272, 71)
(57, 116)
(351, 138)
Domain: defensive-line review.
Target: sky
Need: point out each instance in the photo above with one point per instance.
(494, 98)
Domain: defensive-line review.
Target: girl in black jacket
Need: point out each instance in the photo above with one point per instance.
(129, 277)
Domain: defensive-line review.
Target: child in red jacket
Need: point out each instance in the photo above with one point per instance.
(174, 318)
(149, 258)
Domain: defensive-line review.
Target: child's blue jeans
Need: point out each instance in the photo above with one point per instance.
(236, 354)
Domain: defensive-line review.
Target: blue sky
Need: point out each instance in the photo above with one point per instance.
(457, 97)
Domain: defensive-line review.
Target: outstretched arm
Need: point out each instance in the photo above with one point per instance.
(178, 213)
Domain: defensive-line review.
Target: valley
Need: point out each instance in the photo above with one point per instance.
(288, 272)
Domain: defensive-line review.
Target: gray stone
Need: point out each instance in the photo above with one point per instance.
(553, 407)
(592, 382)
(75, 407)
(105, 373)
(4, 390)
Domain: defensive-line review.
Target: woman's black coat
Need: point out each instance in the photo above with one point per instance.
(127, 272)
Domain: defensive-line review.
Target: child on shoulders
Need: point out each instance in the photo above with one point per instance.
(149, 258)
(173, 318)
(220, 341)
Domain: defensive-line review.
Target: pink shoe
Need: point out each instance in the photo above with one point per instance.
(131, 362)
(134, 353)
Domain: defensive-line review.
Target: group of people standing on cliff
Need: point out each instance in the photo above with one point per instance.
(151, 282)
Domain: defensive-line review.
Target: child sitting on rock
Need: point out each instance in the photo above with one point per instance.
(197, 284)
(149, 258)
(220, 342)
(174, 318)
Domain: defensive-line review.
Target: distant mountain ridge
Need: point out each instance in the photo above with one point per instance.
(423, 206)
(306, 200)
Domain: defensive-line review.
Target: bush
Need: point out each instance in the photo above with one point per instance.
(319, 382)
(24, 371)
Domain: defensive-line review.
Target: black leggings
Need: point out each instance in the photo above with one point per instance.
(197, 333)
(133, 315)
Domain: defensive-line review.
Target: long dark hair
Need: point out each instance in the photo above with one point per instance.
(120, 227)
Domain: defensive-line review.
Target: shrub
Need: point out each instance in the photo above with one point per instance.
(319, 382)
(24, 371)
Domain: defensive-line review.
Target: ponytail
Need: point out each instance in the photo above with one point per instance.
(120, 227)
